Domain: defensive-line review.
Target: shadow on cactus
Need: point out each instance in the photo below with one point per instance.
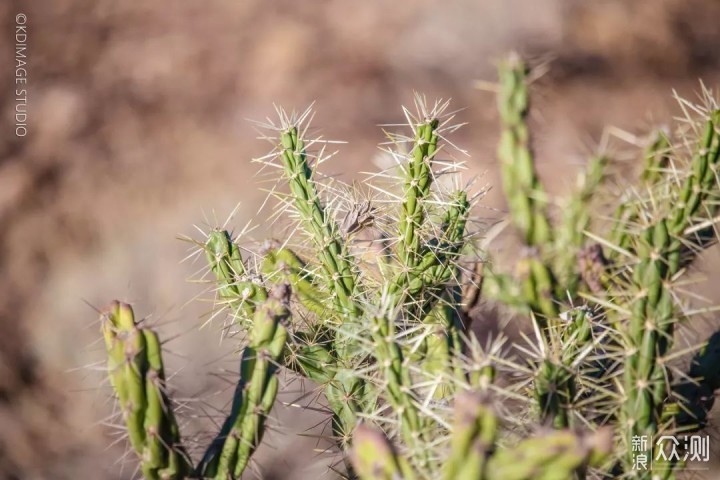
(372, 300)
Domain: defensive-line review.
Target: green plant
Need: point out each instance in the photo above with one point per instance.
(373, 302)
(136, 372)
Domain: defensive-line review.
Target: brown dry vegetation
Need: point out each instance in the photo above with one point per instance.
(138, 130)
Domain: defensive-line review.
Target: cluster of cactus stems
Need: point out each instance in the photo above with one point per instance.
(383, 326)
(136, 372)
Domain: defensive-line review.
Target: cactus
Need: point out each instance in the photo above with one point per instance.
(474, 453)
(630, 276)
(384, 327)
(474, 437)
(136, 372)
(255, 392)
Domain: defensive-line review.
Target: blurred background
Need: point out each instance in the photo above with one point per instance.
(138, 129)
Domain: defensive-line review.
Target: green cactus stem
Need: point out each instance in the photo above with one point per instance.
(136, 371)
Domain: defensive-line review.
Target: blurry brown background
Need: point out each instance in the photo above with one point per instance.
(138, 130)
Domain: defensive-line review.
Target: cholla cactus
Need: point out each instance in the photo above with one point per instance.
(136, 372)
(371, 300)
(620, 354)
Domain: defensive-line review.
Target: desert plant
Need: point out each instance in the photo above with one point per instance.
(372, 301)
